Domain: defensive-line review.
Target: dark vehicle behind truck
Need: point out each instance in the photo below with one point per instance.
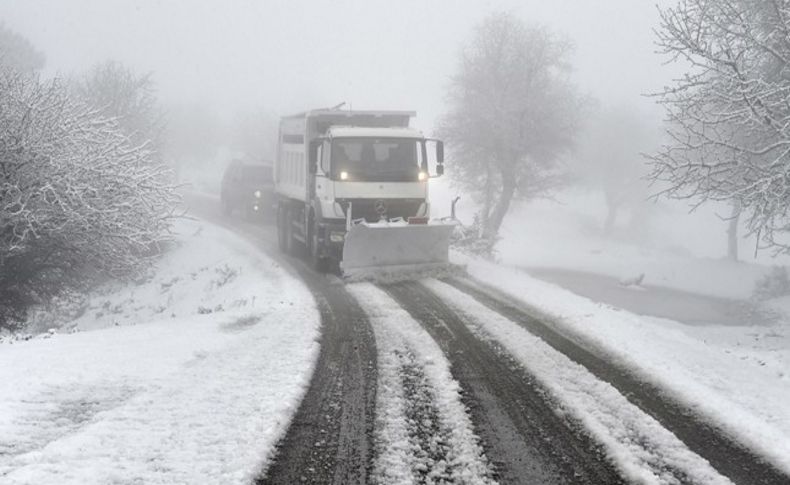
(248, 187)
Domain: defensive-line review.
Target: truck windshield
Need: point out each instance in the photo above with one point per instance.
(376, 159)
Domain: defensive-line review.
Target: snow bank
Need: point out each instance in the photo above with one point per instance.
(671, 247)
(735, 376)
(410, 362)
(191, 377)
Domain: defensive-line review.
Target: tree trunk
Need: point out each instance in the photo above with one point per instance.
(612, 208)
(488, 201)
(611, 218)
(502, 205)
(732, 231)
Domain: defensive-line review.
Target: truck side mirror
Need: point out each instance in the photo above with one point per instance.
(439, 170)
(313, 156)
(439, 155)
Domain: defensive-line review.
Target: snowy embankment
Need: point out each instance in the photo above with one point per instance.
(734, 376)
(422, 427)
(190, 377)
(672, 248)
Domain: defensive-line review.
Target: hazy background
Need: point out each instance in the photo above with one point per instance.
(289, 55)
(215, 64)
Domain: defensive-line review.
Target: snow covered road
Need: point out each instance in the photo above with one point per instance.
(234, 364)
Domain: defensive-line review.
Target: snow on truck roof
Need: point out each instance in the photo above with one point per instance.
(361, 131)
(340, 112)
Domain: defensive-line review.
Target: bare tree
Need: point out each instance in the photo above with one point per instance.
(18, 53)
(192, 136)
(513, 113)
(254, 132)
(609, 157)
(119, 92)
(730, 114)
(77, 199)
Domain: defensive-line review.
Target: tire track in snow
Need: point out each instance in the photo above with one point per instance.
(329, 439)
(522, 434)
(729, 457)
(640, 446)
(423, 431)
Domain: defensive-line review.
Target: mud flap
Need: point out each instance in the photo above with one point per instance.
(392, 252)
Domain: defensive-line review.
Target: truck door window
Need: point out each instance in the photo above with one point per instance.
(324, 157)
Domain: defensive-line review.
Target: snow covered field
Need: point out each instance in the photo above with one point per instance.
(672, 247)
(735, 376)
(189, 377)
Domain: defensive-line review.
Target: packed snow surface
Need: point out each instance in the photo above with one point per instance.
(735, 377)
(190, 377)
(423, 431)
(636, 443)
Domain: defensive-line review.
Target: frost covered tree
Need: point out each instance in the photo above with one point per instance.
(18, 53)
(609, 158)
(513, 113)
(254, 133)
(730, 114)
(78, 199)
(118, 92)
(192, 136)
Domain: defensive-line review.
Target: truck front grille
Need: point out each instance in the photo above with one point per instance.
(368, 208)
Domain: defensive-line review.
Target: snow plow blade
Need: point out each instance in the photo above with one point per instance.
(389, 253)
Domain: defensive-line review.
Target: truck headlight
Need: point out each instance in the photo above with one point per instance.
(422, 176)
(344, 175)
(257, 194)
(336, 236)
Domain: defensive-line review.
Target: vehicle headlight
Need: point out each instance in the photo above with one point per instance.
(344, 175)
(258, 194)
(422, 176)
(337, 236)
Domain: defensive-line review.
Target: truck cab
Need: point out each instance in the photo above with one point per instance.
(339, 169)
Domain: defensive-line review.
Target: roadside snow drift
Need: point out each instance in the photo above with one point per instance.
(190, 377)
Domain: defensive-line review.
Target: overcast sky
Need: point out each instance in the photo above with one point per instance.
(290, 55)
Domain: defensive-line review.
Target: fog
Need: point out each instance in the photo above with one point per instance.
(287, 56)
(216, 64)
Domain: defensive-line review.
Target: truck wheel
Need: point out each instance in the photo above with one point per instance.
(291, 244)
(317, 261)
(283, 222)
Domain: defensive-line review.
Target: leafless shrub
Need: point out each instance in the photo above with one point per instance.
(77, 198)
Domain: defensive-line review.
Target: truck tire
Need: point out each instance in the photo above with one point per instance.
(291, 244)
(283, 222)
(317, 261)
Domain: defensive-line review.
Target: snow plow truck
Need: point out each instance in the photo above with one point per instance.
(352, 187)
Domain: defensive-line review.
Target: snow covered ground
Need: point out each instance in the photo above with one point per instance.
(189, 377)
(672, 247)
(736, 376)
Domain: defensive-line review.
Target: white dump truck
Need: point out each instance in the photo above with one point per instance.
(352, 186)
